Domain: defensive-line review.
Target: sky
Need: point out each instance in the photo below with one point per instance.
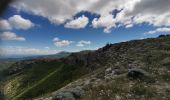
(42, 27)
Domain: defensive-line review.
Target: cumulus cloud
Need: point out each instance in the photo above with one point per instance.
(131, 12)
(129, 26)
(17, 22)
(11, 36)
(19, 50)
(82, 43)
(4, 25)
(78, 23)
(153, 12)
(159, 30)
(107, 21)
(61, 43)
(58, 11)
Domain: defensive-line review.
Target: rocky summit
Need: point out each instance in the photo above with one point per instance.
(132, 70)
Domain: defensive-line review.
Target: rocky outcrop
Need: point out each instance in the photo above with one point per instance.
(69, 94)
(66, 94)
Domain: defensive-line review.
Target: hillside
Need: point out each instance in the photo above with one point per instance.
(137, 69)
(58, 55)
(51, 56)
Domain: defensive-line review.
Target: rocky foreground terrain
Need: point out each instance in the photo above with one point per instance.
(133, 70)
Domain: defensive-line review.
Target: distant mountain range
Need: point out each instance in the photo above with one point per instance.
(52, 56)
(133, 70)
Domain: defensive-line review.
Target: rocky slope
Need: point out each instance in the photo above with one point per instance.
(137, 69)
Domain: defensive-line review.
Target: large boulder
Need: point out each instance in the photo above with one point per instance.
(137, 74)
(64, 96)
(69, 94)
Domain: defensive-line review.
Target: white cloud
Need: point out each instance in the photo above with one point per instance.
(58, 11)
(19, 50)
(107, 21)
(82, 43)
(152, 12)
(56, 39)
(5, 25)
(78, 23)
(129, 26)
(17, 22)
(11, 36)
(158, 30)
(61, 43)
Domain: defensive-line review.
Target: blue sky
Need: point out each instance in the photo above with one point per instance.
(92, 29)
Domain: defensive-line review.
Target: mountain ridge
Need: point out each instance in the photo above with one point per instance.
(106, 73)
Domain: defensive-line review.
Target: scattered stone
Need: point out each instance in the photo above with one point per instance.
(77, 92)
(110, 73)
(86, 82)
(118, 97)
(108, 70)
(64, 96)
